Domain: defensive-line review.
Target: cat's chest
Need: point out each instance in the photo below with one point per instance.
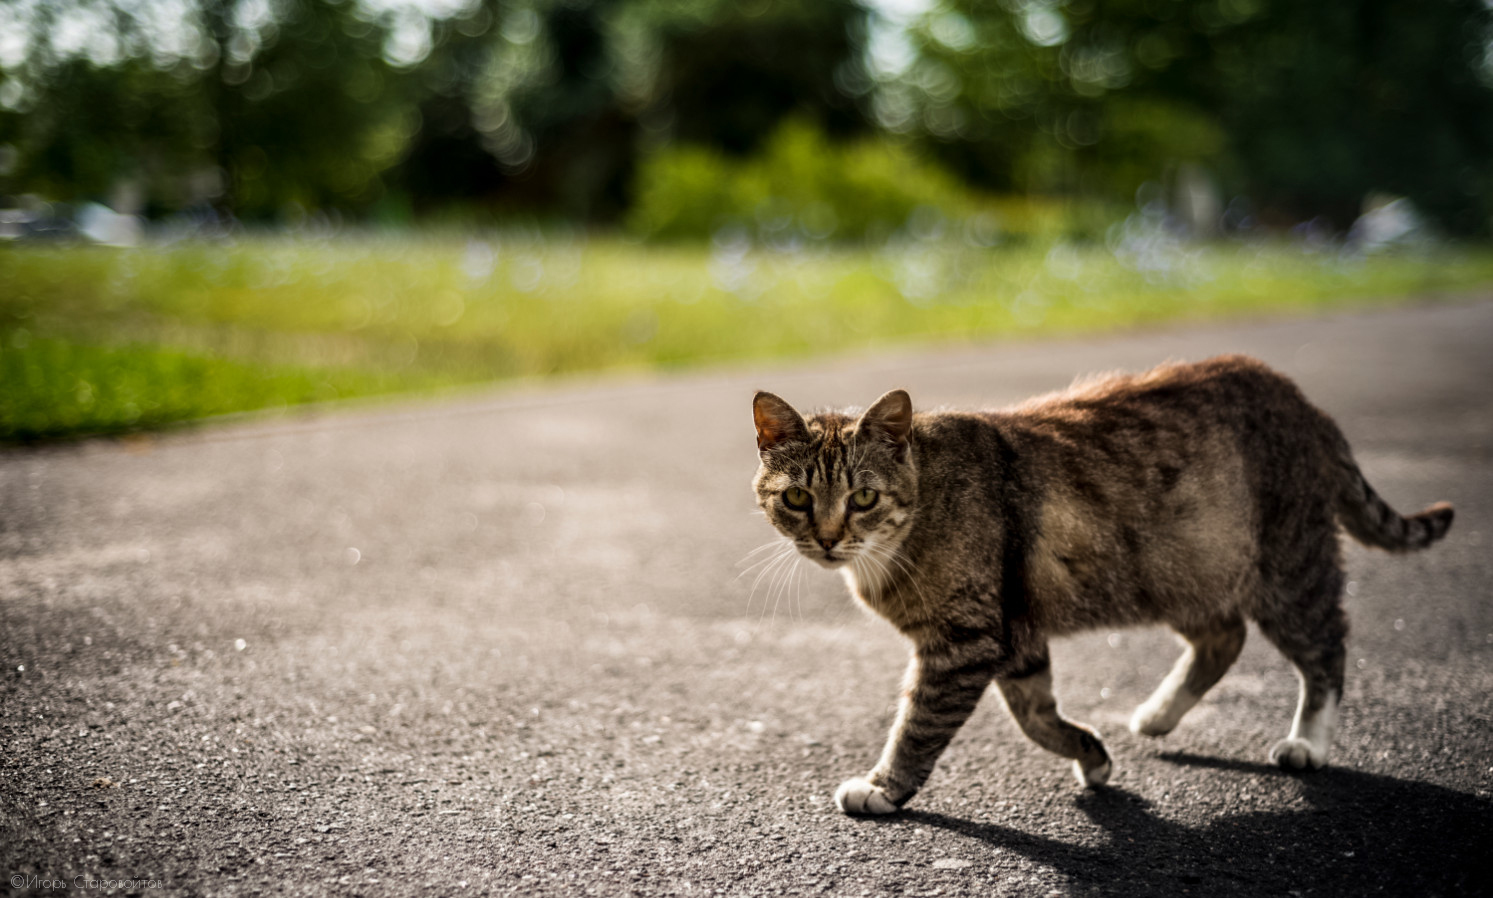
(865, 583)
(898, 599)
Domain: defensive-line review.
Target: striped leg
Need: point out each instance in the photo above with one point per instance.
(1031, 703)
(938, 695)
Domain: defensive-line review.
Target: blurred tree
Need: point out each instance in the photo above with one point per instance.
(312, 116)
(538, 105)
(97, 130)
(257, 113)
(729, 78)
(1307, 107)
(550, 108)
(574, 88)
(384, 106)
(448, 170)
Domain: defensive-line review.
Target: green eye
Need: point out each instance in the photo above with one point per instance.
(863, 499)
(797, 498)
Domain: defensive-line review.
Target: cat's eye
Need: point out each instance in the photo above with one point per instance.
(797, 498)
(863, 499)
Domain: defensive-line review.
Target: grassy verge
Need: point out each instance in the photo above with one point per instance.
(55, 388)
(104, 340)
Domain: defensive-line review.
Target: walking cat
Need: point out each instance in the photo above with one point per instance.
(1195, 495)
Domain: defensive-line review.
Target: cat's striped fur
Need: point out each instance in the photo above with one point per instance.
(1196, 495)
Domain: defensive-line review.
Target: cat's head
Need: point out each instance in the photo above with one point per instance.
(842, 488)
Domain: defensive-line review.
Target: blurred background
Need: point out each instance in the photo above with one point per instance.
(210, 206)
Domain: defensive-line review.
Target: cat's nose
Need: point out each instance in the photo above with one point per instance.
(827, 543)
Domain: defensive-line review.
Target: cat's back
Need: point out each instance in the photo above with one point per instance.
(1224, 388)
(1152, 488)
(1133, 430)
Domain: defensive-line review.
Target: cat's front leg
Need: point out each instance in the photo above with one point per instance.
(939, 693)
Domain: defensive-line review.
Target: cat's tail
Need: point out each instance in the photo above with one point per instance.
(1371, 521)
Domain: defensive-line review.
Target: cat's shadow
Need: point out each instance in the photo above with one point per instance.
(1353, 834)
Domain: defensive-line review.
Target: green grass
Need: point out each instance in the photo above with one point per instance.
(97, 340)
(54, 388)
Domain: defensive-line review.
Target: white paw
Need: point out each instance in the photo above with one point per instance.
(1297, 754)
(1151, 720)
(1094, 776)
(856, 796)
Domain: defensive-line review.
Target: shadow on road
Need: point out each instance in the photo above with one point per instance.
(1360, 834)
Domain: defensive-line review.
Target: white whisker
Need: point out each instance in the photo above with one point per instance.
(781, 580)
(772, 544)
(761, 561)
(774, 573)
(886, 559)
(771, 564)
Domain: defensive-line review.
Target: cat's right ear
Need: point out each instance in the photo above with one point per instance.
(777, 422)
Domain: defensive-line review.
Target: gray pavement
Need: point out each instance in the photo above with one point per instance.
(498, 644)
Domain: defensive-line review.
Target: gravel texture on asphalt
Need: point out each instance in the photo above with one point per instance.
(501, 644)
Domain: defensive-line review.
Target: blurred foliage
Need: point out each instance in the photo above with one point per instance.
(730, 74)
(299, 113)
(96, 339)
(99, 123)
(1305, 107)
(800, 187)
(269, 110)
(488, 110)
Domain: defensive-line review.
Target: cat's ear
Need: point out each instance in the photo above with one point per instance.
(889, 419)
(777, 422)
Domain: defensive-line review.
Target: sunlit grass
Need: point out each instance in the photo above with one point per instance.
(101, 340)
(55, 388)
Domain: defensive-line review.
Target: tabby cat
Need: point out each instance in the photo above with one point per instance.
(1196, 495)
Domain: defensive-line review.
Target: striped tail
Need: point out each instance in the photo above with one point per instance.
(1371, 521)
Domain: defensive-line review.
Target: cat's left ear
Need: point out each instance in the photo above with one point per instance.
(889, 419)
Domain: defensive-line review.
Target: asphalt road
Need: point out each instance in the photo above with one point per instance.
(499, 645)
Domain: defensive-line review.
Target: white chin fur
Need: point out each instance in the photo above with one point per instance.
(867, 578)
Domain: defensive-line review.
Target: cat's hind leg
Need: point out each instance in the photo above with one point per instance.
(1211, 650)
(1030, 700)
(1311, 635)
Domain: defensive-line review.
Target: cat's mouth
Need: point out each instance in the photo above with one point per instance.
(830, 559)
(836, 556)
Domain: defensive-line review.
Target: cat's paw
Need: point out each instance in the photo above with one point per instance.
(1094, 776)
(1092, 766)
(1297, 754)
(1153, 719)
(857, 796)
